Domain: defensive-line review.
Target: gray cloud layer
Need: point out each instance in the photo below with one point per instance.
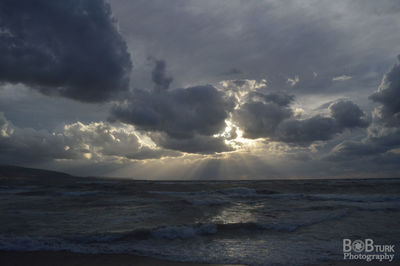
(304, 53)
(68, 48)
(265, 39)
(95, 141)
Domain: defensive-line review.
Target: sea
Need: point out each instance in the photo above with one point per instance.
(269, 222)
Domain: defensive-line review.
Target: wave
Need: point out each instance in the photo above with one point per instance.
(16, 190)
(239, 191)
(78, 193)
(285, 226)
(169, 242)
(222, 196)
(102, 242)
(187, 231)
(168, 232)
(180, 193)
(35, 191)
(228, 192)
(336, 197)
(353, 198)
(207, 201)
(184, 232)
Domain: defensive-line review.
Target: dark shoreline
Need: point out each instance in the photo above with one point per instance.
(67, 258)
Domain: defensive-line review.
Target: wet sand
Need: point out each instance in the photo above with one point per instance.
(66, 258)
(358, 263)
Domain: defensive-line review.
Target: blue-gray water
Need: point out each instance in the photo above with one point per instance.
(250, 222)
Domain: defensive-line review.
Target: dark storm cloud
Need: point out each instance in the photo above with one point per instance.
(347, 114)
(306, 131)
(181, 113)
(185, 114)
(378, 142)
(258, 119)
(344, 115)
(159, 77)
(388, 95)
(269, 116)
(383, 135)
(316, 50)
(187, 118)
(67, 48)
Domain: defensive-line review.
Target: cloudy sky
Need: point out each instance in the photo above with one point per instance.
(211, 89)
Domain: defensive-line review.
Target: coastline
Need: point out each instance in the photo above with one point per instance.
(356, 263)
(68, 258)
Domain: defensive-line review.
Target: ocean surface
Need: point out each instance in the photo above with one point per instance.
(281, 222)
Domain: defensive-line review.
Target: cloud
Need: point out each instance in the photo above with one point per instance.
(347, 114)
(96, 141)
(159, 77)
(185, 115)
(306, 131)
(232, 72)
(260, 119)
(344, 115)
(341, 78)
(28, 145)
(388, 95)
(197, 144)
(102, 139)
(383, 135)
(293, 81)
(388, 137)
(270, 116)
(4, 127)
(265, 39)
(65, 48)
(348, 149)
(181, 113)
(278, 98)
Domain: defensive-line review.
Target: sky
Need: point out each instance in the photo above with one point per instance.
(213, 89)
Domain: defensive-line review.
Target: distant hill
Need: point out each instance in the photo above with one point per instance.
(17, 171)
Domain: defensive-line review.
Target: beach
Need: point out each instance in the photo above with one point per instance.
(65, 220)
(65, 258)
